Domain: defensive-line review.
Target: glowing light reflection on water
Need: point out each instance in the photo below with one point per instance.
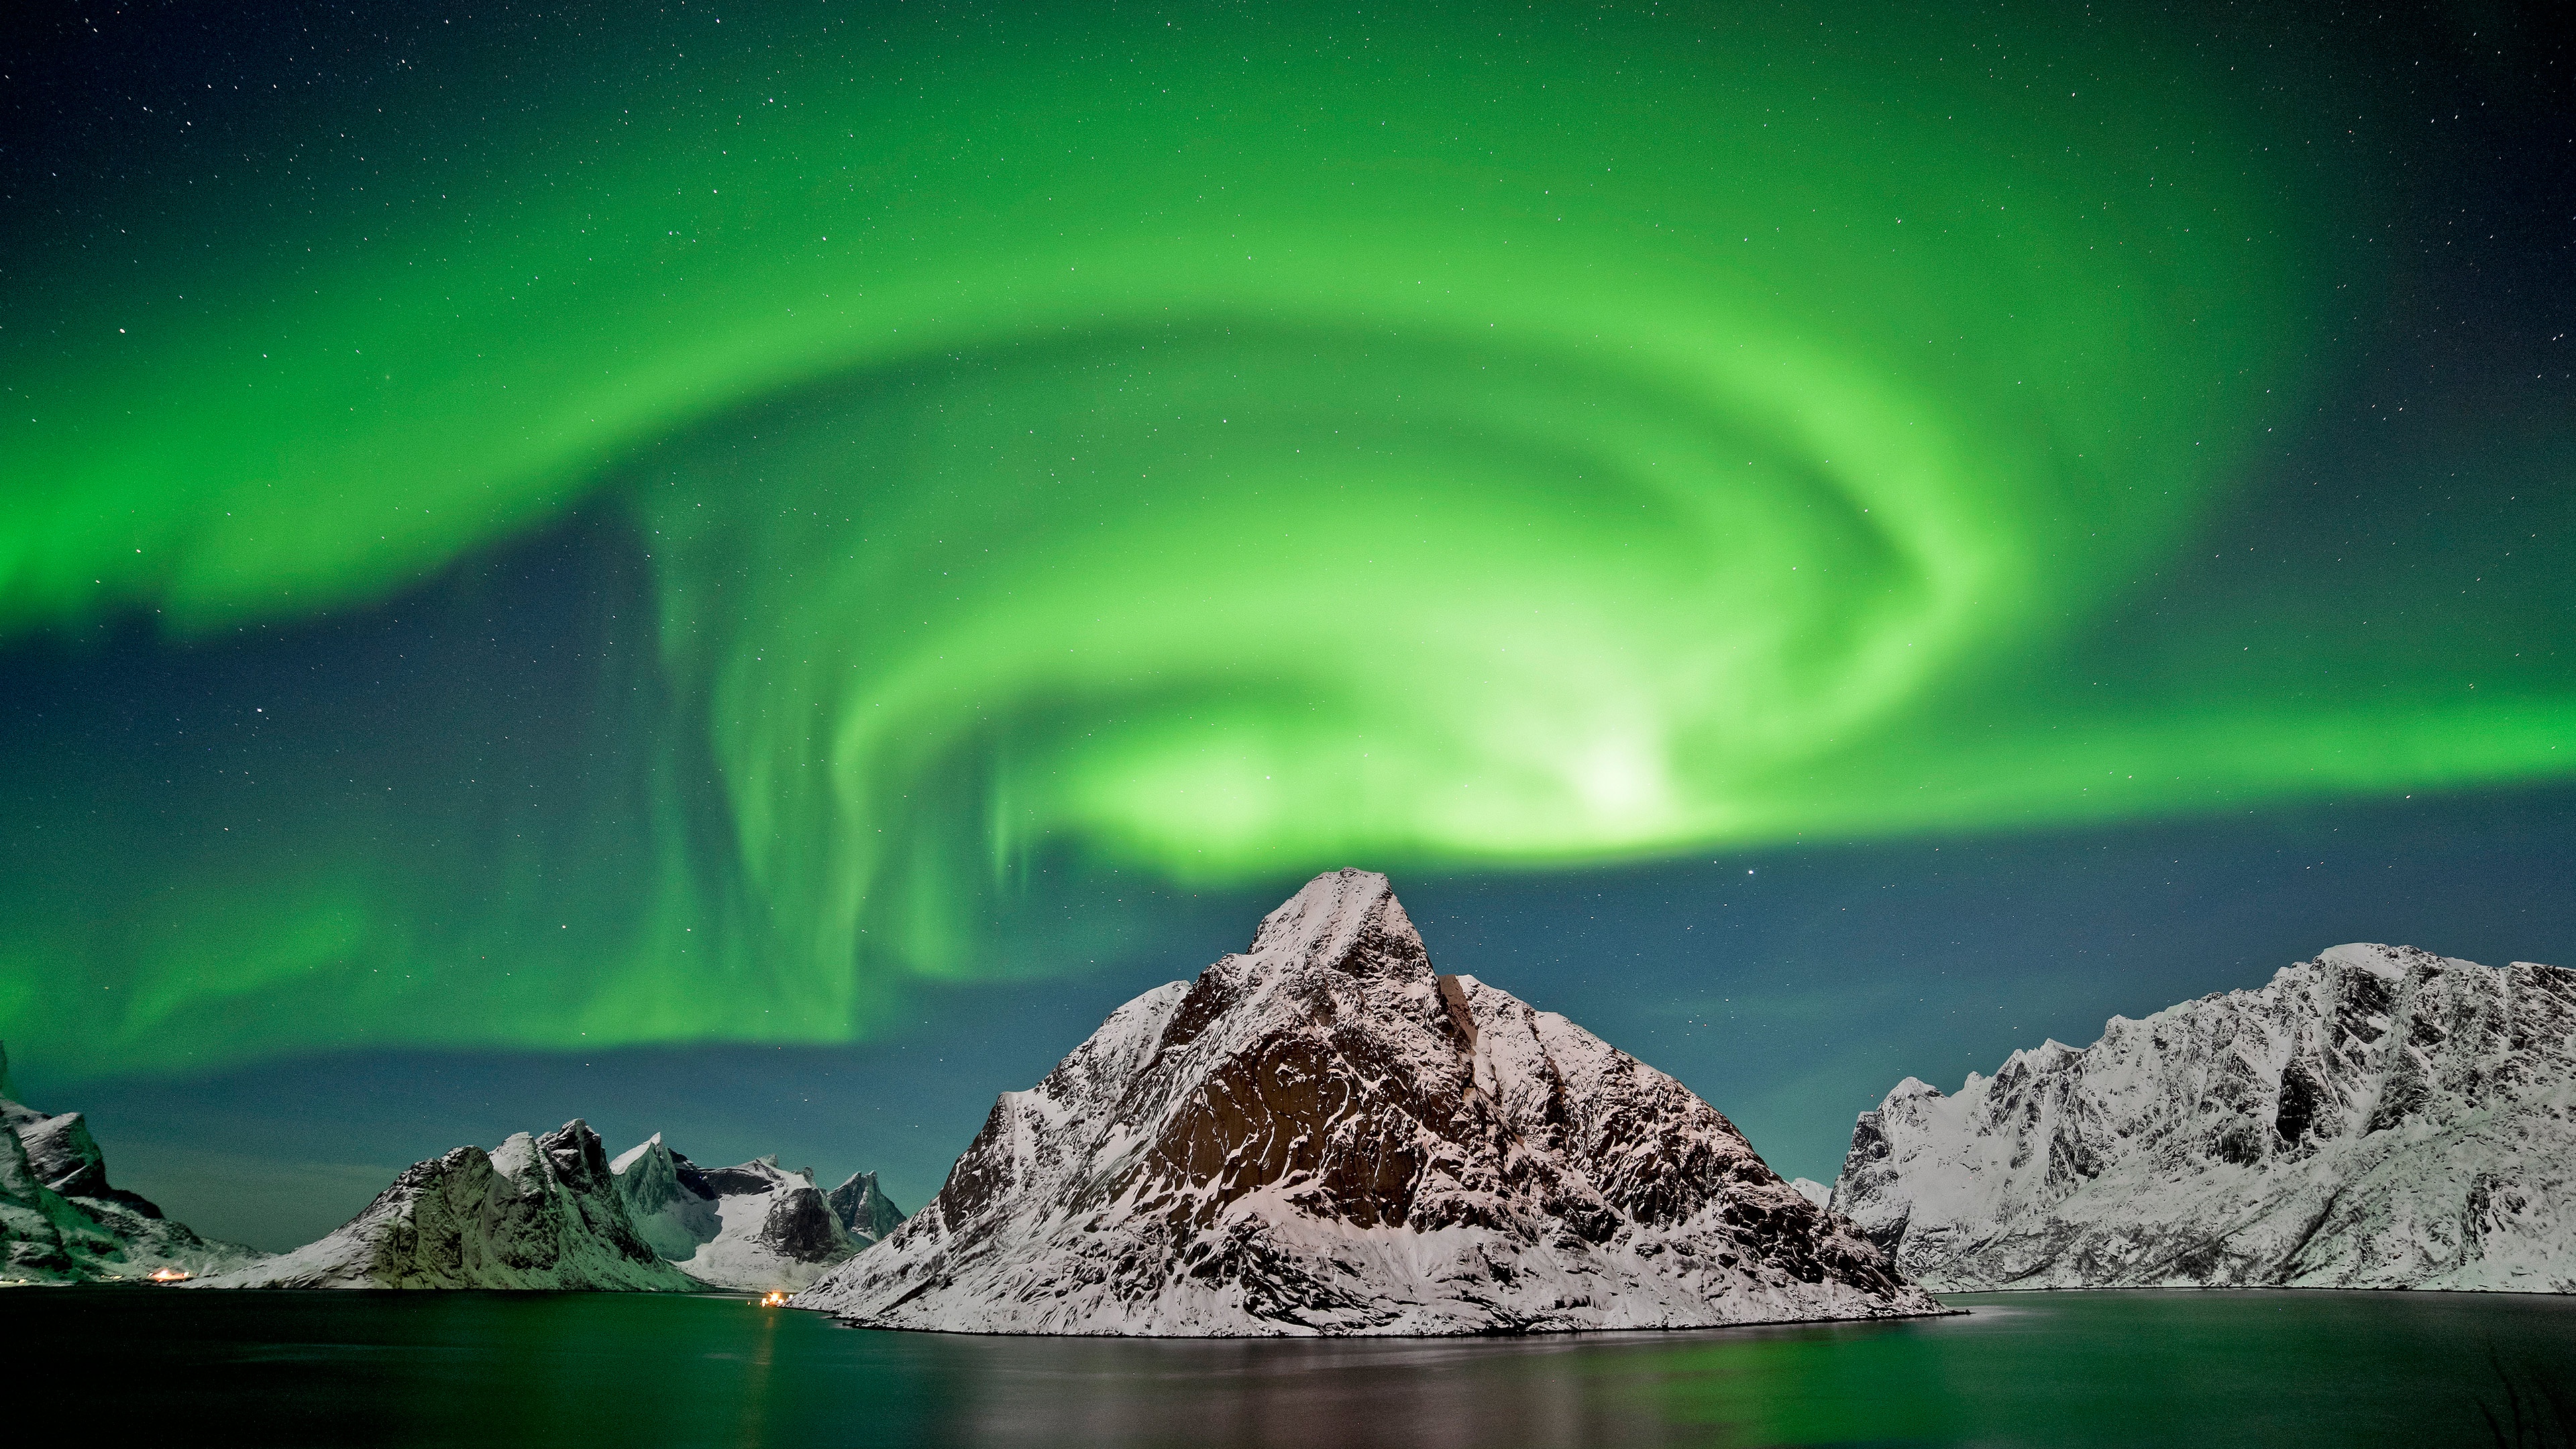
(2019, 1369)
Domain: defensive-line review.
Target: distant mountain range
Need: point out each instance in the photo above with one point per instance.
(752, 1226)
(546, 1211)
(2379, 1117)
(555, 1212)
(535, 1212)
(1322, 1135)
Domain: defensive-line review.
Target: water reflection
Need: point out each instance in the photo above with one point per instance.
(2052, 1370)
(2041, 1370)
(1439, 1394)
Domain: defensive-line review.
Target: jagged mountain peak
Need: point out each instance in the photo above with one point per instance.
(864, 1209)
(2375, 1116)
(1346, 918)
(752, 1225)
(632, 1155)
(1319, 1135)
(538, 1211)
(2376, 959)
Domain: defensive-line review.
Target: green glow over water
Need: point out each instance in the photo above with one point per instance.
(2051, 1371)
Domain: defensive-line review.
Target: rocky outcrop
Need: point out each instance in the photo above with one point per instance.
(62, 1221)
(2379, 1117)
(535, 1212)
(755, 1226)
(1323, 1136)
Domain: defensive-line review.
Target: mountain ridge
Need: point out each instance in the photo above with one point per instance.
(1321, 1135)
(2377, 1116)
(755, 1225)
(536, 1212)
(62, 1221)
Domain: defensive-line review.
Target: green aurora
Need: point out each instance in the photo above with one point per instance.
(1220, 447)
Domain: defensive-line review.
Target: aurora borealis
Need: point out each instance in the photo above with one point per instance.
(692, 528)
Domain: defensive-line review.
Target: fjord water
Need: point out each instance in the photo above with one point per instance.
(2056, 1369)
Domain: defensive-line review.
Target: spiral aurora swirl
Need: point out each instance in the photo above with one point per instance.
(1231, 447)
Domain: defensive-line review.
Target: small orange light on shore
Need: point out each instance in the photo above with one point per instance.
(773, 1300)
(170, 1275)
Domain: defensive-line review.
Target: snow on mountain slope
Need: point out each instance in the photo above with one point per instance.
(2379, 1117)
(61, 1221)
(673, 1209)
(754, 1226)
(535, 1212)
(1322, 1136)
(864, 1209)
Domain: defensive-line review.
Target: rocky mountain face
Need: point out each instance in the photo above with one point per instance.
(755, 1226)
(1323, 1136)
(61, 1221)
(864, 1209)
(2379, 1117)
(673, 1208)
(535, 1212)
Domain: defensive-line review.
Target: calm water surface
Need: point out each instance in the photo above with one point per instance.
(2060, 1369)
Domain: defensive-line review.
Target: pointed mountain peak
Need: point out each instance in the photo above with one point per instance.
(650, 1146)
(1319, 1136)
(1346, 918)
(863, 1207)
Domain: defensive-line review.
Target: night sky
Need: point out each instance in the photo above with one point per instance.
(751, 574)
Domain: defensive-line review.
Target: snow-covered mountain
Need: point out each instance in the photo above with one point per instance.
(864, 1209)
(673, 1209)
(754, 1226)
(2379, 1117)
(535, 1212)
(62, 1222)
(1322, 1136)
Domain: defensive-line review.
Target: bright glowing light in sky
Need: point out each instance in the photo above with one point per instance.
(1227, 448)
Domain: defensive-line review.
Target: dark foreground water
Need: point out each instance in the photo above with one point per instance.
(2061, 1369)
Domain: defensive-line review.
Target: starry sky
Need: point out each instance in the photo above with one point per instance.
(752, 573)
